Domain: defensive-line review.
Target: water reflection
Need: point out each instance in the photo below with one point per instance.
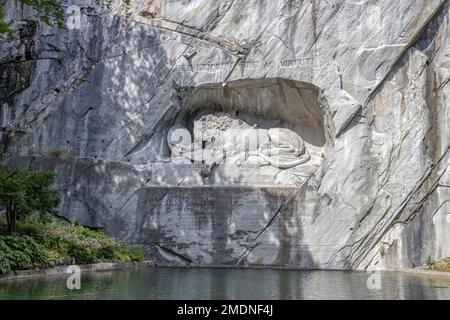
(183, 283)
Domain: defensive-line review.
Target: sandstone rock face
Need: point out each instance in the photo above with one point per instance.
(309, 134)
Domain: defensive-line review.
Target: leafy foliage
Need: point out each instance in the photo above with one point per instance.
(23, 191)
(430, 262)
(57, 153)
(443, 265)
(21, 252)
(50, 11)
(41, 242)
(4, 26)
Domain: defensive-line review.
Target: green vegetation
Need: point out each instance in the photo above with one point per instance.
(50, 12)
(31, 237)
(24, 191)
(21, 252)
(5, 27)
(430, 263)
(57, 153)
(41, 242)
(443, 265)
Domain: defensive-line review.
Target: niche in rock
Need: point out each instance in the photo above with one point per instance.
(249, 132)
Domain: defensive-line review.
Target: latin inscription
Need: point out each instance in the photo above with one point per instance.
(227, 65)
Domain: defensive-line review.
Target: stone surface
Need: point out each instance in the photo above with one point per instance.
(364, 84)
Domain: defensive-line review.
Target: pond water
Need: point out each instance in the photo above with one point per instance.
(206, 283)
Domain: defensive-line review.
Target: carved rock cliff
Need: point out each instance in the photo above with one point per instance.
(361, 87)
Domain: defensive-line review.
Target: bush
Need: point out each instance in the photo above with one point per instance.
(122, 252)
(430, 263)
(57, 154)
(24, 191)
(443, 265)
(81, 254)
(21, 252)
(41, 242)
(136, 253)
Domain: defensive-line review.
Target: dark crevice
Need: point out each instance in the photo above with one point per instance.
(424, 36)
(173, 253)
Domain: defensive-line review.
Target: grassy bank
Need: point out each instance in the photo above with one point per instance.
(443, 265)
(43, 242)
